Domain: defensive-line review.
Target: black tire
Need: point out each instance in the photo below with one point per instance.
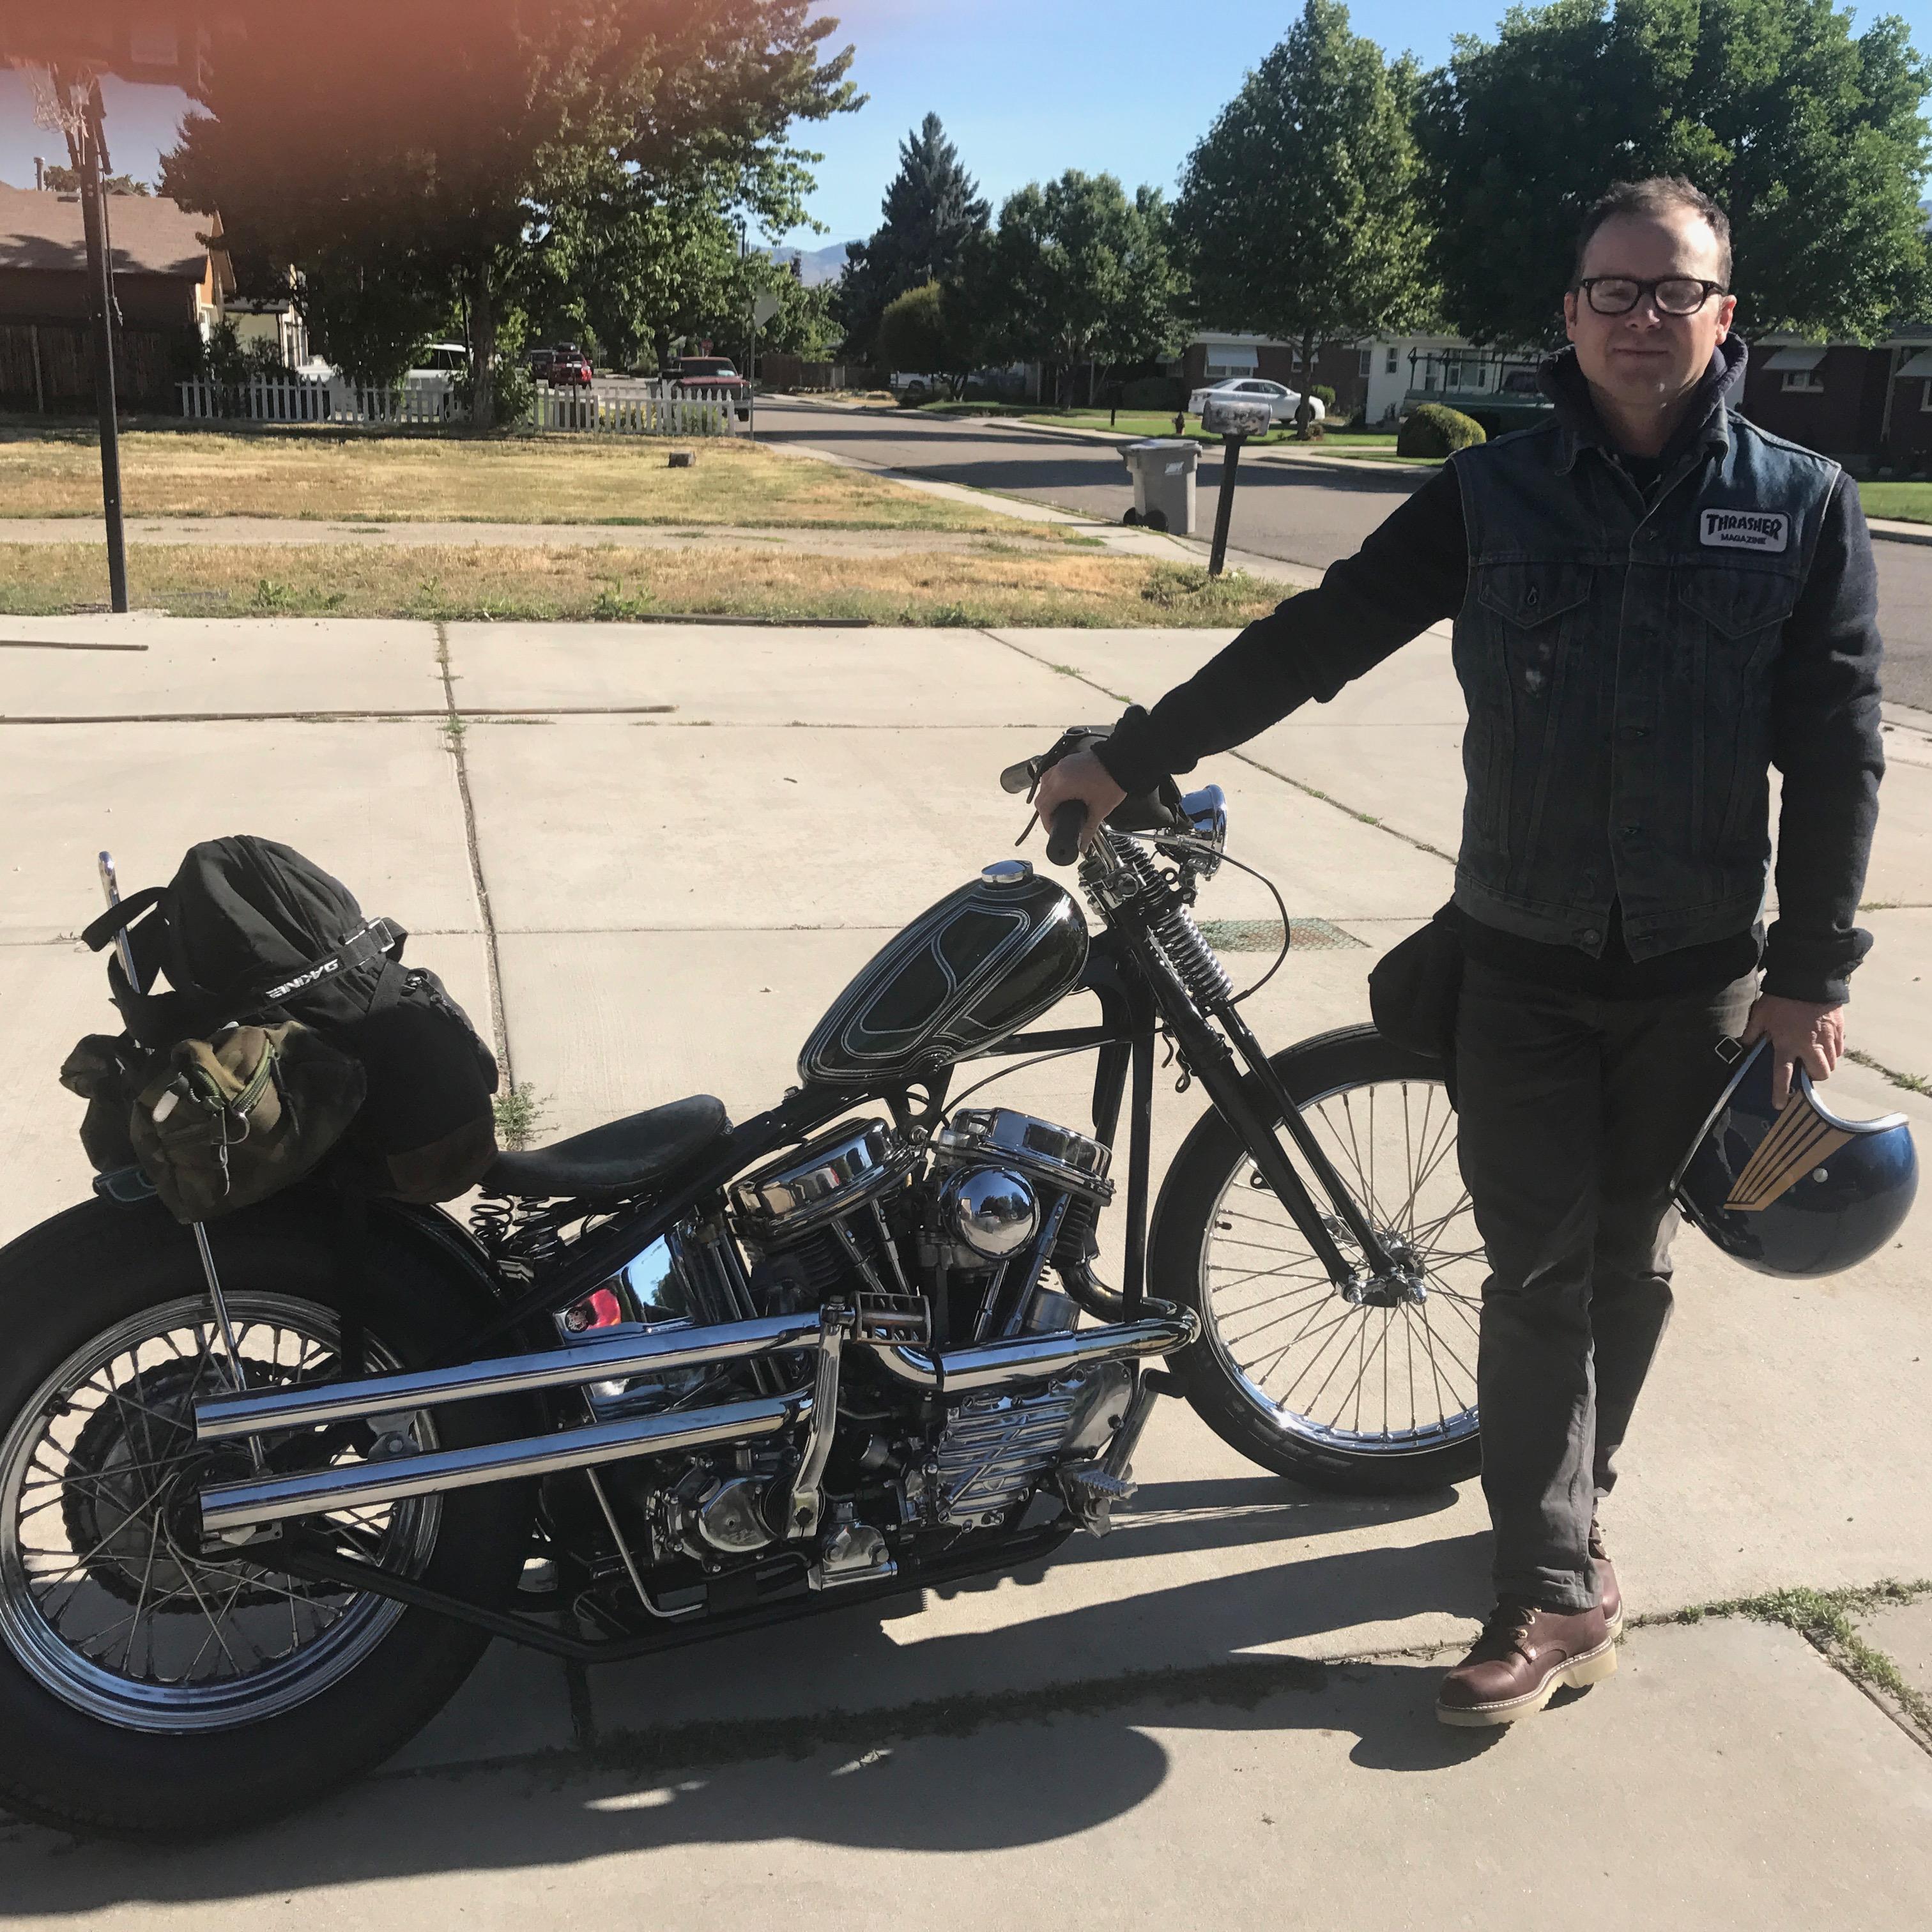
(73, 1279)
(1315, 1071)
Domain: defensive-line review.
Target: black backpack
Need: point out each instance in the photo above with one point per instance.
(250, 932)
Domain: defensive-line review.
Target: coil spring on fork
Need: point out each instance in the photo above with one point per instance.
(1180, 939)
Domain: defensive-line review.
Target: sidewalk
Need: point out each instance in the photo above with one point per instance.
(634, 793)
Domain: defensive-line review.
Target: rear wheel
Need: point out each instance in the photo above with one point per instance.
(1377, 1397)
(146, 1686)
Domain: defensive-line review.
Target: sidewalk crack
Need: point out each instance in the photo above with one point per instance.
(454, 733)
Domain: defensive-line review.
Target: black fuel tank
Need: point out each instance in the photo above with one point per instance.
(965, 973)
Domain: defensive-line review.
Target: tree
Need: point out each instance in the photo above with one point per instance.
(66, 180)
(932, 211)
(1296, 215)
(1077, 273)
(535, 123)
(1813, 140)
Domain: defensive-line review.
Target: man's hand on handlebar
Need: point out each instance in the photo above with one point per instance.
(1080, 779)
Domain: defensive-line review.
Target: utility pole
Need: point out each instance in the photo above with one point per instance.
(88, 146)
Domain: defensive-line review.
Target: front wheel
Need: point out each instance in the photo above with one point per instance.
(1377, 1397)
(151, 1685)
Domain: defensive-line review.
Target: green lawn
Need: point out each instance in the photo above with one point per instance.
(1155, 422)
(1910, 502)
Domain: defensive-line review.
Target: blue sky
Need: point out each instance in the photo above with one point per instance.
(1026, 88)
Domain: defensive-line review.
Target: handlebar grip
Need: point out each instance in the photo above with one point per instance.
(1018, 778)
(1062, 837)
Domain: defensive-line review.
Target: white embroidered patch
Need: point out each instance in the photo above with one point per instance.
(1745, 529)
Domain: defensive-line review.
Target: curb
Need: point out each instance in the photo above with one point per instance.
(1892, 530)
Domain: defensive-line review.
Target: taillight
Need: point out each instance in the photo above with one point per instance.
(600, 1309)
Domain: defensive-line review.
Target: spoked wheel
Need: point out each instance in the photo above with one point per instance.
(1375, 1396)
(105, 1595)
(151, 1682)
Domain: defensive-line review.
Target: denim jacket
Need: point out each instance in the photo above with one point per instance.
(1618, 664)
(1631, 672)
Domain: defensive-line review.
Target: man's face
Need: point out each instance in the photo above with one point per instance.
(1644, 358)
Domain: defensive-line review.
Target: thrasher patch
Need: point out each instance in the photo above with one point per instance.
(1745, 529)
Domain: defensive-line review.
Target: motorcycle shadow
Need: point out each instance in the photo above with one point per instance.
(1011, 1734)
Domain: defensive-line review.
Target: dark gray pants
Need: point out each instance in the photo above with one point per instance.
(1573, 1113)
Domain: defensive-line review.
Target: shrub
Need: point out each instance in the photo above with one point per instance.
(1434, 429)
(1325, 394)
(1154, 392)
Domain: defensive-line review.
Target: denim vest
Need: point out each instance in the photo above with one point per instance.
(1617, 665)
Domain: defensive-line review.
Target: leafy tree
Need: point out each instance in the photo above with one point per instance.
(66, 180)
(921, 330)
(1077, 273)
(1296, 215)
(1812, 138)
(932, 211)
(533, 122)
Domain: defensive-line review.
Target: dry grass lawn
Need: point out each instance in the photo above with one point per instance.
(997, 585)
(512, 479)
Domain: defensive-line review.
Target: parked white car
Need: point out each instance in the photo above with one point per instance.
(1284, 402)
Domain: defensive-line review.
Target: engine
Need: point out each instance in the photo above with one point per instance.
(973, 1237)
(956, 1245)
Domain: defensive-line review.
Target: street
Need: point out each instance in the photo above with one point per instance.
(1308, 515)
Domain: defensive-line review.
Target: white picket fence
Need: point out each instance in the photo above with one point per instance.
(296, 399)
(652, 408)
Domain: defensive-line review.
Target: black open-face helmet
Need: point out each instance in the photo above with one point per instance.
(1795, 1191)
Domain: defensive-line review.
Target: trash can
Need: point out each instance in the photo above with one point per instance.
(1162, 469)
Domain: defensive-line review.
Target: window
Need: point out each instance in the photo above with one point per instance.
(1366, 366)
(1392, 365)
(1228, 359)
(1452, 376)
(1925, 403)
(1482, 376)
(1808, 382)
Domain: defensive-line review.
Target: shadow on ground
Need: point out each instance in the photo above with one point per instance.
(966, 1771)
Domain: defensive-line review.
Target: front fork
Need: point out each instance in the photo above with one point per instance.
(1209, 1055)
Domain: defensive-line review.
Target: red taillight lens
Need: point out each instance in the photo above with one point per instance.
(600, 1309)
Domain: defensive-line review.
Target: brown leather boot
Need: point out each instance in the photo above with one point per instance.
(1524, 1657)
(1608, 1595)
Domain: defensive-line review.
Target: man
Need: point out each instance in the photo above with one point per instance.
(1654, 602)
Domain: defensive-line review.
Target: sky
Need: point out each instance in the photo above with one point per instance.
(1027, 88)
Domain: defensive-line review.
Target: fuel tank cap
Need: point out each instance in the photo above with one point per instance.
(1007, 872)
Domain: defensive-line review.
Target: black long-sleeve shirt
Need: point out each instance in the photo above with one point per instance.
(1413, 572)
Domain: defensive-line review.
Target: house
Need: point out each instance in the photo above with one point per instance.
(263, 309)
(171, 278)
(1870, 407)
(1371, 379)
(1343, 367)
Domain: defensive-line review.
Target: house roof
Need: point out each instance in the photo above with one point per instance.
(41, 230)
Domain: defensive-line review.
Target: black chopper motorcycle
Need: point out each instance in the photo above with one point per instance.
(260, 1514)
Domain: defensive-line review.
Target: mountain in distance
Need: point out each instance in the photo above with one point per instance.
(819, 265)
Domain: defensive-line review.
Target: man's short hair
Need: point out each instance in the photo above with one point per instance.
(1658, 194)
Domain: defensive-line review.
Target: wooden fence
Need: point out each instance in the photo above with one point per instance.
(295, 399)
(638, 409)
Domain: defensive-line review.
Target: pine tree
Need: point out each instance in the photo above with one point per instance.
(932, 210)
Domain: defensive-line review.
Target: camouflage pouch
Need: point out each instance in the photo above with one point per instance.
(106, 1072)
(221, 1123)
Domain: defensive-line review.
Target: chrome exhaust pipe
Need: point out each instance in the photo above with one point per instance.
(218, 1418)
(1026, 1358)
(257, 1500)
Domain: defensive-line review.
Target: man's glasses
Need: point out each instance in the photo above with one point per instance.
(1676, 295)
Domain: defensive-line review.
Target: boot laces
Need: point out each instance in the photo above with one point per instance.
(1510, 1625)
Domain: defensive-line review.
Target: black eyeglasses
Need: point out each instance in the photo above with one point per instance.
(1676, 295)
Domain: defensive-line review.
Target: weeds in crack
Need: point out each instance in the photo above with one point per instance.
(1825, 1619)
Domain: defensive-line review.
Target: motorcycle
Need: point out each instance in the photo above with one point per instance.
(267, 1491)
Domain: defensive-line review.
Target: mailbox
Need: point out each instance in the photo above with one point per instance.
(1236, 415)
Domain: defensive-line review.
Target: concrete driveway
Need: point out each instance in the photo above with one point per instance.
(688, 840)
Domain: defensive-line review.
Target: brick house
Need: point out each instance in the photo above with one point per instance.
(1344, 367)
(171, 276)
(1871, 408)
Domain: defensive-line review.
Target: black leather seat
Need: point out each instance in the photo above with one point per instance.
(620, 1157)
